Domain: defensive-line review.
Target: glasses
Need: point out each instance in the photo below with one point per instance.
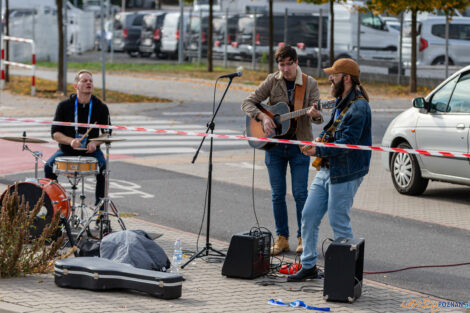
(284, 64)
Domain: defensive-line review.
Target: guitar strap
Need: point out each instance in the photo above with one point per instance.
(300, 94)
(338, 120)
(260, 107)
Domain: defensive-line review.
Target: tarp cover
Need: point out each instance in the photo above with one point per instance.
(134, 247)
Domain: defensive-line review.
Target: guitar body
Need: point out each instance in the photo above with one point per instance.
(255, 128)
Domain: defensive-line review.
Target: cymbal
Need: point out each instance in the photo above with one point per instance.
(107, 139)
(24, 139)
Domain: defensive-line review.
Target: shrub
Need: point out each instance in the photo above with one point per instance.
(20, 254)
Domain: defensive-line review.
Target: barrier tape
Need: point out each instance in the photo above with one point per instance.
(221, 136)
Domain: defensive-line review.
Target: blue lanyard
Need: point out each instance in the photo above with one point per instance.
(76, 113)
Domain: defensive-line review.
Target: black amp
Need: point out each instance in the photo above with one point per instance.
(248, 255)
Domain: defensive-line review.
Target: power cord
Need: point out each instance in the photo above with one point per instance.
(253, 188)
(415, 267)
(403, 268)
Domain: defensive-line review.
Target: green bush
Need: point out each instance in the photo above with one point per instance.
(20, 254)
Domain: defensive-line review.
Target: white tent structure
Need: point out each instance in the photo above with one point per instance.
(42, 28)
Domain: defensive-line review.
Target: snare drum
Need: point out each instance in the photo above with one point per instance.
(81, 165)
(55, 200)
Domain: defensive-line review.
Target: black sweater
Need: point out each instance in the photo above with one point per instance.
(66, 113)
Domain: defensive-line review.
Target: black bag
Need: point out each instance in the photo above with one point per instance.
(103, 274)
(89, 247)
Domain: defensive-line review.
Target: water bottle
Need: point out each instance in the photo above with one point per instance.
(177, 257)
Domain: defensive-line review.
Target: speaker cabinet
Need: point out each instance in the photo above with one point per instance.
(248, 255)
(344, 264)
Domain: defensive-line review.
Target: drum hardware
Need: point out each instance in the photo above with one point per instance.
(36, 154)
(55, 200)
(75, 168)
(101, 210)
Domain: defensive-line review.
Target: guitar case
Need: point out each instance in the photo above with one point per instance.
(95, 273)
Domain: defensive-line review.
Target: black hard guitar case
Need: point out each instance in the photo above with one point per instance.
(102, 274)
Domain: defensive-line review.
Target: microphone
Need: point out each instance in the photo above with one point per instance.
(232, 75)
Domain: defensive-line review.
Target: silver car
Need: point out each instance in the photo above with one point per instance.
(431, 41)
(440, 122)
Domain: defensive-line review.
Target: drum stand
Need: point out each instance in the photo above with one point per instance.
(37, 156)
(102, 208)
(74, 180)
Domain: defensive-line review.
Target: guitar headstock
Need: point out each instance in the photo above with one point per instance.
(325, 104)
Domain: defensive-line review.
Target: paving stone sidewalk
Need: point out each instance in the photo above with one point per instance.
(205, 290)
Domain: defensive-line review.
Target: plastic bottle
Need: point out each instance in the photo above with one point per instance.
(177, 257)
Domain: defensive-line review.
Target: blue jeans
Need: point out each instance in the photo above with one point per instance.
(100, 181)
(337, 199)
(276, 160)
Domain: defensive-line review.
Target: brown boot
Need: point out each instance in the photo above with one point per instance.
(299, 249)
(281, 244)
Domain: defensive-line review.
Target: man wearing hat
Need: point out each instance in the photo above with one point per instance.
(342, 170)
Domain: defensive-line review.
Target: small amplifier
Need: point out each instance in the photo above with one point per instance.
(344, 264)
(248, 255)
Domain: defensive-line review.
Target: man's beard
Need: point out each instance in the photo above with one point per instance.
(338, 88)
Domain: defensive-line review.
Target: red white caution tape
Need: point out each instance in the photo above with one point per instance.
(220, 136)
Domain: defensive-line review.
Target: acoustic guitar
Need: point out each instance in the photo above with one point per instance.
(282, 116)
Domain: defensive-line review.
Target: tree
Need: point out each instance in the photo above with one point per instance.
(209, 43)
(60, 27)
(271, 40)
(395, 7)
(332, 23)
(7, 42)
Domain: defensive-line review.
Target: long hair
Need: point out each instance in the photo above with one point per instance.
(357, 83)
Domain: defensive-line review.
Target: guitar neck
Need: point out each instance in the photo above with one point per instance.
(291, 115)
(327, 104)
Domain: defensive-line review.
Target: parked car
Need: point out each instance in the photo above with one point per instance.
(151, 34)
(131, 35)
(219, 34)
(108, 36)
(261, 26)
(440, 122)
(431, 39)
(197, 31)
(122, 22)
(377, 41)
(171, 33)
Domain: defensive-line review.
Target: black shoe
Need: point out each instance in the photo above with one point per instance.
(303, 274)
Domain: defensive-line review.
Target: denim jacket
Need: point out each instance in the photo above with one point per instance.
(355, 128)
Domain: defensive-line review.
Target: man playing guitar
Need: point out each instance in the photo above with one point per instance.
(291, 86)
(342, 170)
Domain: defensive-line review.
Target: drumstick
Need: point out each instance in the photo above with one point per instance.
(87, 132)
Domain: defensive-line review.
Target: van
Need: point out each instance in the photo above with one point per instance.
(131, 35)
(171, 33)
(219, 23)
(151, 34)
(377, 40)
(197, 30)
(431, 40)
(122, 21)
(302, 34)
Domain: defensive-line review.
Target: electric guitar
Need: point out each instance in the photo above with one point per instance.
(281, 115)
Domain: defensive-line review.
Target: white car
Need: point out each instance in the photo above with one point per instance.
(440, 122)
(431, 40)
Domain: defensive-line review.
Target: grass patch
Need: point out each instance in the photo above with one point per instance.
(182, 70)
(48, 89)
(250, 77)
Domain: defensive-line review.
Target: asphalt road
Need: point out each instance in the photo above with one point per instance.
(177, 200)
(391, 242)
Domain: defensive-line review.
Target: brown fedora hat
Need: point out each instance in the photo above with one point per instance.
(345, 66)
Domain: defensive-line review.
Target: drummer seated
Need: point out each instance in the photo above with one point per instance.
(82, 107)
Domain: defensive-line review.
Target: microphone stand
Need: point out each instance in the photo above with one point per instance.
(210, 126)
